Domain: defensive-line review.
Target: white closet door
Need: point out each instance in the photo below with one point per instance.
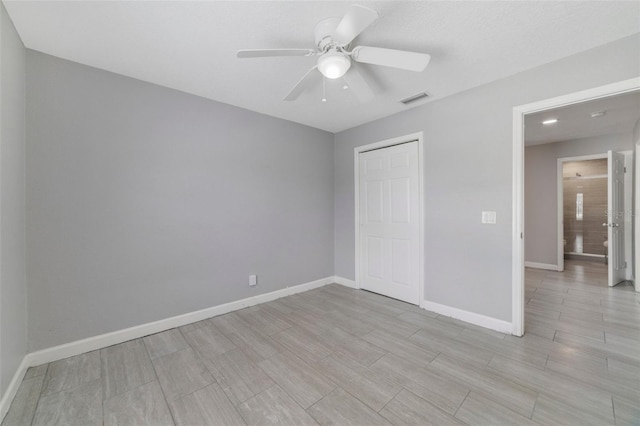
(389, 228)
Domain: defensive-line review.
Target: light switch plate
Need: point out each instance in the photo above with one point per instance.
(489, 218)
(253, 280)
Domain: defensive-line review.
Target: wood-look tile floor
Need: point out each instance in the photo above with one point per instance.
(340, 356)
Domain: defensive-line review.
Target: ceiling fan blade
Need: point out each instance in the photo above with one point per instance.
(302, 85)
(358, 85)
(353, 23)
(263, 53)
(410, 61)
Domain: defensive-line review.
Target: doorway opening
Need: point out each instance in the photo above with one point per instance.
(520, 234)
(594, 210)
(583, 210)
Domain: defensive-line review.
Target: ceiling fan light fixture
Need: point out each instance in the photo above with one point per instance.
(333, 64)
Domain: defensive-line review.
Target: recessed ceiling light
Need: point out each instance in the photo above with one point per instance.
(550, 121)
(598, 114)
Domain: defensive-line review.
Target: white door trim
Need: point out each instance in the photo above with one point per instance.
(356, 164)
(636, 218)
(517, 289)
(629, 190)
(560, 213)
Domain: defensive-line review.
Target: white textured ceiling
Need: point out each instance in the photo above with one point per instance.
(190, 46)
(575, 121)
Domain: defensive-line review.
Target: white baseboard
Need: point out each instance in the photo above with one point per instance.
(108, 339)
(545, 266)
(470, 317)
(344, 281)
(13, 387)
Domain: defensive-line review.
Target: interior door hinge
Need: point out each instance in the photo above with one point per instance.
(521, 235)
(625, 169)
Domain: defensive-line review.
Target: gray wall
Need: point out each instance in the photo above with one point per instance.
(468, 169)
(541, 191)
(13, 309)
(144, 203)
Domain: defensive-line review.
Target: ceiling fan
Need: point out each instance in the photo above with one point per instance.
(333, 37)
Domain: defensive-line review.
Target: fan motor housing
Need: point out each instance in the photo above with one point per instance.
(323, 32)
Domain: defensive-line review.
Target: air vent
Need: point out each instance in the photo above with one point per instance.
(415, 98)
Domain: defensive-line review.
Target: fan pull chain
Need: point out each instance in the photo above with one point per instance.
(324, 90)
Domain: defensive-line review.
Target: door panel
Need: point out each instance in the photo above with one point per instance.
(375, 257)
(401, 253)
(389, 228)
(615, 213)
(374, 201)
(400, 160)
(400, 200)
(373, 164)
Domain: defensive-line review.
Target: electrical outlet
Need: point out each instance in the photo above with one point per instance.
(489, 218)
(253, 280)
